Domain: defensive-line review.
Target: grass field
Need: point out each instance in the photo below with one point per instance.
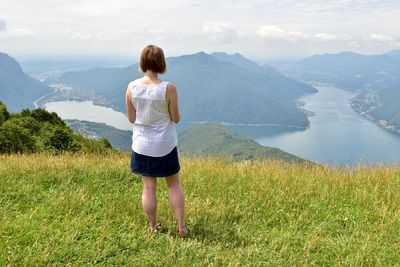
(86, 209)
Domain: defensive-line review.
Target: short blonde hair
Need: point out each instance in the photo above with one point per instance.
(152, 58)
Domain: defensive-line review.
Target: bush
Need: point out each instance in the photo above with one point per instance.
(4, 114)
(43, 115)
(62, 139)
(39, 130)
(15, 139)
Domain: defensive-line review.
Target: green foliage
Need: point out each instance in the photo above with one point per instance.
(84, 210)
(118, 138)
(39, 130)
(62, 140)
(14, 138)
(43, 115)
(214, 139)
(4, 114)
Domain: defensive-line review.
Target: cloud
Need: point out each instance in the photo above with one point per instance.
(328, 37)
(325, 36)
(220, 32)
(275, 33)
(20, 32)
(16, 33)
(3, 25)
(380, 38)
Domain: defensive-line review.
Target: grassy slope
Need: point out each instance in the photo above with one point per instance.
(87, 209)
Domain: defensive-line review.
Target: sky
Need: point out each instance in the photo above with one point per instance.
(258, 29)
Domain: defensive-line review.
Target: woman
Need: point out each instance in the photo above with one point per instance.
(152, 107)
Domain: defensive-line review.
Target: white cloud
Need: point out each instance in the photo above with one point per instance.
(328, 37)
(354, 44)
(220, 32)
(290, 28)
(3, 25)
(275, 33)
(325, 36)
(16, 33)
(380, 37)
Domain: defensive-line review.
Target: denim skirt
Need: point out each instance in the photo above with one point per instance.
(155, 166)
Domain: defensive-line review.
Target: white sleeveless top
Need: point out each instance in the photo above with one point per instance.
(154, 132)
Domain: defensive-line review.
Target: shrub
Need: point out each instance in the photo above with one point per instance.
(43, 115)
(4, 114)
(15, 139)
(62, 140)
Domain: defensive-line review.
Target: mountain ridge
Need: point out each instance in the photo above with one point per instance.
(18, 90)
(206, 92)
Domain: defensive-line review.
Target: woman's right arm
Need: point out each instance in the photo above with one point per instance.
(130, 109)
(172, 99)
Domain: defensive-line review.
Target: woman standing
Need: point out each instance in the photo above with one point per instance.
(152, 107)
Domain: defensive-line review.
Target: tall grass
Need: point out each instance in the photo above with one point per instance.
(86, 209)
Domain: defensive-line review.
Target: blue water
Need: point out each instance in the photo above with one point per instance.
(337, 134)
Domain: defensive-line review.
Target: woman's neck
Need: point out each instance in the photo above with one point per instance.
(151, 75)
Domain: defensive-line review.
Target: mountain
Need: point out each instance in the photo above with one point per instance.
(17, 89)
(118, 138)
(381, 106)
(212, 88)
(291, 88)
(376, 77)
(349, 70)
(201, 139)
(214, 139)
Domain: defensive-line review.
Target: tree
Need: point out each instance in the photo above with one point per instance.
(4, 114)
(43, 115)
(62, 140)
(15, 139)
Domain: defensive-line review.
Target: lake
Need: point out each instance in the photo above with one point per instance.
(337, 134)
(87, 111)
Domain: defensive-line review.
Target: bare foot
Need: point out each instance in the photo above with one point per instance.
(155, 228)
(182, 232)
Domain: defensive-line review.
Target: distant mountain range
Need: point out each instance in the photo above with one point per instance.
(212, 88)
(349, 70)
(17, 89)
(375, 77)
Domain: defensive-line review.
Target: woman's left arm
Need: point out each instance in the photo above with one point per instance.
(130, 109)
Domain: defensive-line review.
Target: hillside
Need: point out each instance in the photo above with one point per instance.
(201, 139)
(217, 140)
(381, 106)
(17, 89)
(210, 89)
(39, 131)
(349, 70)
(376, 77)
(118, 138)
(85, 209)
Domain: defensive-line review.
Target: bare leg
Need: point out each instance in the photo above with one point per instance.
(149, 199)
(177, 201)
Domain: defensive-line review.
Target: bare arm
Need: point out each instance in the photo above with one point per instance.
(130, 109)
(172, 100)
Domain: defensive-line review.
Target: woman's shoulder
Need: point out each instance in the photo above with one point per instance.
(134, 82)
(170, 86)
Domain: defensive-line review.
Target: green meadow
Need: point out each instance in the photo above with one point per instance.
(82, 209)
